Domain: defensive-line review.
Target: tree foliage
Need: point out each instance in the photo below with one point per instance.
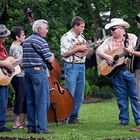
(59, 15)
(60, 12)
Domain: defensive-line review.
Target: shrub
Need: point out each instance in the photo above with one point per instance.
(105, 92)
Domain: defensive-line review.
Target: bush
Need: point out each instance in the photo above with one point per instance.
(105, 92)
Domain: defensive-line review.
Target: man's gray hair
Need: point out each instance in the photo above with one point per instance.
(38, 23)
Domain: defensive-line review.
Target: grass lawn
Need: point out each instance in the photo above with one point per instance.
(98, 122)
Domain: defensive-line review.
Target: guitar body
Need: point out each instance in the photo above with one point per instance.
(5, 79)
(131, 63)
(107, 70)
(132, 59)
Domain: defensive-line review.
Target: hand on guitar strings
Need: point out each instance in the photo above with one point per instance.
(81, 50)
(98, 42)
(110, 60)
(8, 67)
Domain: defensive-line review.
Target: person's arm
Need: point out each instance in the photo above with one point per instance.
(69, 49)
(133, 52)
(51, 59)
(74, 50)
(101, 52)
(7, 66)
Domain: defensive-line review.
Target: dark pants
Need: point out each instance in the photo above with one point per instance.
(20, 98)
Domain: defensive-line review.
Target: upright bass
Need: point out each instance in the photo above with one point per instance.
(61, 101)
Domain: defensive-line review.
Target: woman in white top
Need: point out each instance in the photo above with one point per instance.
(18, 36)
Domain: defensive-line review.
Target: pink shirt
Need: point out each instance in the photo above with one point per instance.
(111, 44)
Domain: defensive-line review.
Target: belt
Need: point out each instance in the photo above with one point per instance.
(73, 62)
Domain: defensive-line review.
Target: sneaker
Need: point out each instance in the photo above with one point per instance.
(5, 129)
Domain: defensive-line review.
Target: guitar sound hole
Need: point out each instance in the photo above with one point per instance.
(9, 72)
(116, 57)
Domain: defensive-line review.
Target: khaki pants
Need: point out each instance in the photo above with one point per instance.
(137, 73)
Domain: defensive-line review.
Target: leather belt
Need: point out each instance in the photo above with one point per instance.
(74, 62)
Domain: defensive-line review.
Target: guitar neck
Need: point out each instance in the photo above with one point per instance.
(91, 44)
(123, 54)
(17, 62)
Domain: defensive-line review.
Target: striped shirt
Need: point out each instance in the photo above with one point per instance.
(30, 57)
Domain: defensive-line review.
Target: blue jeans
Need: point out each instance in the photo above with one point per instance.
(3, 104)
(124, 83)
(38, 98)
(75, 82)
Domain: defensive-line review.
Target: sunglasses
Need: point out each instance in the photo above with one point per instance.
(113, 29)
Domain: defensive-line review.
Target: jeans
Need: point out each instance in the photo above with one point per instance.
(38, 98)
(75, 82)
(3, 104)
(124, 83)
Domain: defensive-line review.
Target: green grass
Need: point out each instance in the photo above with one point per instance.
(98, 122)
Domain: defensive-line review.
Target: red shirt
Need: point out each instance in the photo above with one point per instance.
(3, 52)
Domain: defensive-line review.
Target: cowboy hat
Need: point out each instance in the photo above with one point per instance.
(138, 18)
(4, 31)
(117, 22)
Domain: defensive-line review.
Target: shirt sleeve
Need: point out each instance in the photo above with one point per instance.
(16, 52)
(65, 44)
(104, 47)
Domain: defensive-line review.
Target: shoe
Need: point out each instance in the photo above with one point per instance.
(137, 129)
(5, 129)
(31, 130)
(121, 123)
(73, 121)
(63, 122)
(45, 132)
(19, 127)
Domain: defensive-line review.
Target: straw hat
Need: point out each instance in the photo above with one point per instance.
(4, 31)
(117, 22)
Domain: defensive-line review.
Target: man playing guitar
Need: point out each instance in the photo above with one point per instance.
(123, 80)
(4, 32)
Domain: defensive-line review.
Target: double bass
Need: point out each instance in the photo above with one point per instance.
(61, 100)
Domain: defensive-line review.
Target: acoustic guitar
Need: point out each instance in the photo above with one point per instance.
(6, 75)
(132, 59)
(119, 59)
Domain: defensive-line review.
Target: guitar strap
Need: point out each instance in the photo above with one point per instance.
(126, 43)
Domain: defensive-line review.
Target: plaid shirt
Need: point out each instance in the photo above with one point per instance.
(111, 44)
